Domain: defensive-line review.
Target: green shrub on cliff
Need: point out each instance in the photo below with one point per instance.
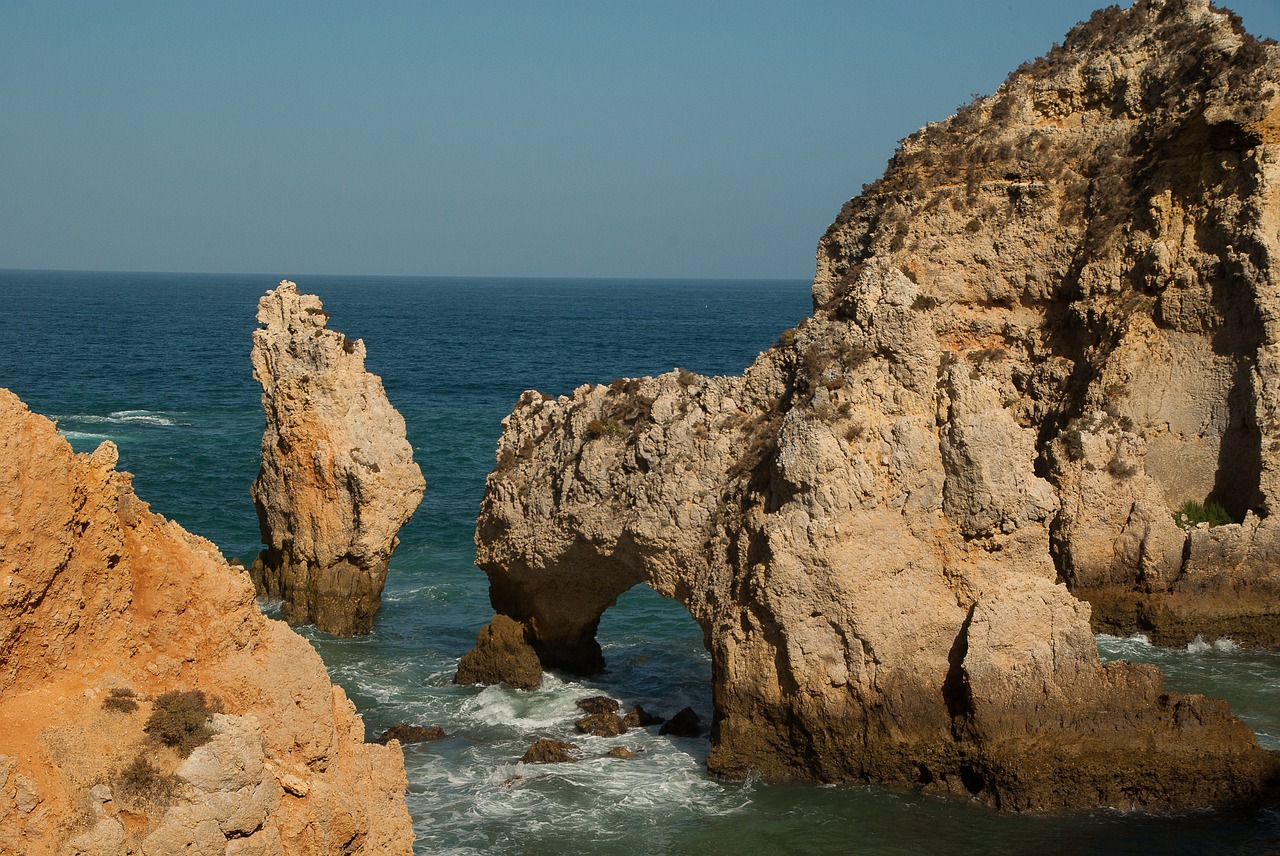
(1192, 513)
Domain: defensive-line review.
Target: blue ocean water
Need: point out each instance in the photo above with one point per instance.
(159, 364)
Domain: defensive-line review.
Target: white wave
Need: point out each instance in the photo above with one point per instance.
(129, 417)
(143, 417)
(1222, 645)
(1198, 645)
(83, 435)
(545, 707)
(1137, 646)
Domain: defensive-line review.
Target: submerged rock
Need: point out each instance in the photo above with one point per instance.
(685, 723)
(604, 724)
(107, 606)
(620, 752)
(1048, 324)
(547, 751)
(598, 704)
(638, 717)
(406, 733)
(338, 478)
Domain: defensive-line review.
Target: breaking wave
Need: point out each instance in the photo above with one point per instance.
(155, 418)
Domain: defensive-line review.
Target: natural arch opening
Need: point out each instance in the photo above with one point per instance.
(655, 655)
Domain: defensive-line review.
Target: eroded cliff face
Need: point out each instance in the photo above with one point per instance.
(99, 594)
(1049, 323)
(338, 478)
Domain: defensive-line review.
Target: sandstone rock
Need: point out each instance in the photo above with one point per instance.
(547, 751)
(338, 478)
(99, 593)
(407, 733)
(620, 752)
(230, 776)
(605, 724)
(685, 723)
(871, 523)
(638, 717)
(597, 704)
(501, 656)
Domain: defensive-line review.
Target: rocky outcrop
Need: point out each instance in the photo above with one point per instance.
(502, 655)
(1047, 303)
(104, 605)
(338, 478)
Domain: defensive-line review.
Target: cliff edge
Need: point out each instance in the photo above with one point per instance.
(109, 614)
(1050, 323)
(338, 478)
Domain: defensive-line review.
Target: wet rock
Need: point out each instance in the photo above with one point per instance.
(338, 478)
(686, 723)
(547, 751)
(620, 752)
(601, 725)
(407, 733)
(638, 717)
(501, 656)
(597, 704)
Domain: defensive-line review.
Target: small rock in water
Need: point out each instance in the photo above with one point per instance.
(620, 752)
(638, 717)
(406, 733)
(597, 704)
(602, 725)
(502, 656)
(683, 724)
(546, 751)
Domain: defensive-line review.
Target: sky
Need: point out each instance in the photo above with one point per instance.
(496, 138)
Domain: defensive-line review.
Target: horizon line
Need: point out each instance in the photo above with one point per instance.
(578, 278)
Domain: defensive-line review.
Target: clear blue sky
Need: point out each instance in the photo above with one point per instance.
(496, 138)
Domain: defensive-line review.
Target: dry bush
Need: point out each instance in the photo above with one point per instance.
(180, 719)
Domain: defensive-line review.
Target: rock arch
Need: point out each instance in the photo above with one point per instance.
(872, 524)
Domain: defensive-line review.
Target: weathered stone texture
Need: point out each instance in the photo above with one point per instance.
(1051, 322)
(338, 478)
(99, 593)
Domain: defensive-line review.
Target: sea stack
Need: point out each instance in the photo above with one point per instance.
(338, 478)
(1054, 320)
(146, 704)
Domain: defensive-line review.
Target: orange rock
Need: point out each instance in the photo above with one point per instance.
(98, 593)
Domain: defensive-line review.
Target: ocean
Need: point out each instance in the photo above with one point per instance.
(159, 364)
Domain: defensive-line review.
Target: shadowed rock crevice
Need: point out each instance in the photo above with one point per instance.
(1045, 327)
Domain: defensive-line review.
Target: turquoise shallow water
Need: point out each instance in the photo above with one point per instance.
(159, 364)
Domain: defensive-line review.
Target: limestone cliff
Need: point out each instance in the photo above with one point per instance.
(1047, 324)
(105, 605)
(338, 478)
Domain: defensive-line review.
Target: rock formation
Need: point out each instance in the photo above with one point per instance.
(104, 605)
(1050, 322)
(338, 478)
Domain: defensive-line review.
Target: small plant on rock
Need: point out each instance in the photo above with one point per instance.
(121, 700)
(180, 719)
(142, 782)
(1191, 513)
(606, 428)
